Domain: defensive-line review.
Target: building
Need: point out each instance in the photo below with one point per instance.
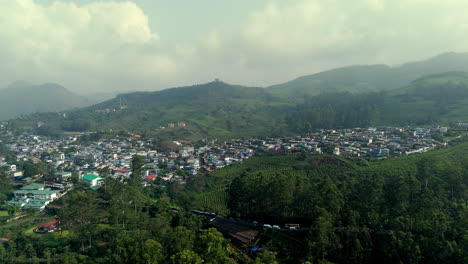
(92, 180)
(33, 196)
(62, 176)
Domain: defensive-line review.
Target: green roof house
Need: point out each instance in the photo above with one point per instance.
(33, 186)
(91, 180)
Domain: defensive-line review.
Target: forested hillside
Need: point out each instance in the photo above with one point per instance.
(214, 109)
(405, 210)
(431, 100)
(220, 110)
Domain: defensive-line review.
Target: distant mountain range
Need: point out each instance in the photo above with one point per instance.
(370, 77)
(22, 98)
(434, 91)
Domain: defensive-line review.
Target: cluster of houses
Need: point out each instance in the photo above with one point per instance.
(91, 162)
(33, 196)
(368, 142)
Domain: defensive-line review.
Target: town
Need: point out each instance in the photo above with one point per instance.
(89, 159)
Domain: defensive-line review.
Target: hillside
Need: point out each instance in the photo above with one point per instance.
(21, 98)
(213, 109)
(224, 111)
(438, 99)
(370, 78)
(409, 209)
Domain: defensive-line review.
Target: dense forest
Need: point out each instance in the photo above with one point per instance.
(405, 210)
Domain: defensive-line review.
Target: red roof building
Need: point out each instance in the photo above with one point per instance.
(150, 177)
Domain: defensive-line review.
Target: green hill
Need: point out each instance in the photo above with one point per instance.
(408, 209)
(434, 99)
(441, 98)
(213, 109)
(370, 78)
(222, 110)
(22, 98)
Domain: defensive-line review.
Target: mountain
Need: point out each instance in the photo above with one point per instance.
(213, 109)
(21, 98)
(431, 100)
(440, 98)
(370, 77)
(222, 110)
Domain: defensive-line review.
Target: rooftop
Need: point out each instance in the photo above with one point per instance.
(90, 177)
(33, 186)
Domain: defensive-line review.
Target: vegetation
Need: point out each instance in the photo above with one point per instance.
(219, 110)
(407, 210)
(117, 224)
(369, 78)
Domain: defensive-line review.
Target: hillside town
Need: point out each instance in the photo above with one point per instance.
(73, 159)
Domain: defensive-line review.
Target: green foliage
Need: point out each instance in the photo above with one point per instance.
(224, 111)
(186, 257)
(369, 78)
(212, 247)
(409, 209)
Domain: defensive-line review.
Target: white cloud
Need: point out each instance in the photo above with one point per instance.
(66, 42)
(110, 45)
(310, 35)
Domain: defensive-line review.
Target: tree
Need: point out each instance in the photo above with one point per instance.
(180, 239)
(151, 252)
(80, 214)
(137, 168)
(3, 254)
(266, 257)
(186, 257)
(322, 238)
(212, 246)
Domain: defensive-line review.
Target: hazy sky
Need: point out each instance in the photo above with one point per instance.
(91, 46)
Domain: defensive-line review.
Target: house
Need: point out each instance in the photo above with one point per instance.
(62, 176)
(36, 194)
(9, 168)
(92, 180)
(336, 151)
(16, 173)
(33, 196)
(150, 178)
(50, 226)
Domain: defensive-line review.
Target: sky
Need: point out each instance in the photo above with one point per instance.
(92, 46)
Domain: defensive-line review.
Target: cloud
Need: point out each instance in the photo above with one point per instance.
(363, 30)
(72, 43)
(109, 45)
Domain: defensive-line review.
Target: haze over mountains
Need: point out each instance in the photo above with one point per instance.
(365, 78)
(425, 92)
(24, 98)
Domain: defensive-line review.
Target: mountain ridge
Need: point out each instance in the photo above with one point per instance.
(364, 78)
(21, 98)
